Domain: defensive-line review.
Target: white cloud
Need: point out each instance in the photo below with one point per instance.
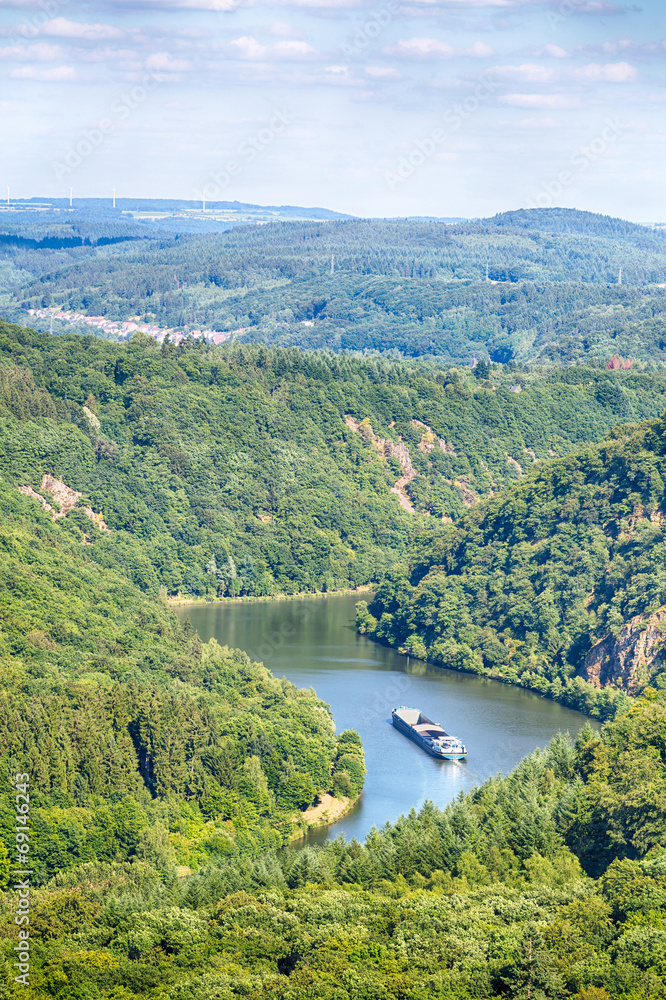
(248, 48)
(621, 72)
(60, 27)
(280, 29)
(311, 4)
(530, 124)
(600, 7)
(292, 50)
(126, 57)
(434, 48)
(383, 73)
(40, 51)
(551, 102)
(221, 6)
(56, 74)
(164, 62)
(553, 51)
(181, 106)
(526, 73)
(627, 46)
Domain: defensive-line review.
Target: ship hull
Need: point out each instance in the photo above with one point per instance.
(407, 730)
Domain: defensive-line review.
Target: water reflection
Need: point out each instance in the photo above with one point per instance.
(314, 644)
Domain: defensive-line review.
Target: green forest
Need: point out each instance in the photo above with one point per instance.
(548, 285)
(528, 581)
(549, 883)
(233, 470)
(508, 518)
(131, 727)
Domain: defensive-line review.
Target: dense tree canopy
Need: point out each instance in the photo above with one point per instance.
(548, 883)
(539, 285)
(529, 580)
(247, 470)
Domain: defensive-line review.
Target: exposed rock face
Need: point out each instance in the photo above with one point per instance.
(630, 660)
(65, 497)
(386, 447)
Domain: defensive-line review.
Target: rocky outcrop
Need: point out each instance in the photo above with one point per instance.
(398, 449)
(64, 496)
(631, 659)
(395, 449)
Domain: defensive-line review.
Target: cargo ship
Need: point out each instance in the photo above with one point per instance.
(428, 734)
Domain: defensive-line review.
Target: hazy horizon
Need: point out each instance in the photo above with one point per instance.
(196, 206)
(449, 108)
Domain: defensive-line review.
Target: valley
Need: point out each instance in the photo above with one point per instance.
(460, 426)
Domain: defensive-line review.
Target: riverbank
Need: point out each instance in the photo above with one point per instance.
(181, 602)
(328, 811)
(362, 682)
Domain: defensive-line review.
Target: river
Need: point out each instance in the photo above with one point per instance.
(314, 644)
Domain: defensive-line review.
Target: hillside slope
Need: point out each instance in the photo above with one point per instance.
(242, 470)
(549, 883)
(531, 286)
(131, 729)
(530, 580)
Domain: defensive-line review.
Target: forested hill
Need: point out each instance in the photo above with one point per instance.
(529, 581)
(548, 884)
(246, 470)
(545, 285)
(139, 739)
(572, 221)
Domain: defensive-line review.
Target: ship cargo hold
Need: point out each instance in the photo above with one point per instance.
(427, 734)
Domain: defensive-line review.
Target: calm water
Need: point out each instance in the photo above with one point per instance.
(314, 644)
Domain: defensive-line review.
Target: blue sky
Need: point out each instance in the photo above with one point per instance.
(427, 107)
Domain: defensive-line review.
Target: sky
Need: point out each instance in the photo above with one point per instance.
(371, 107)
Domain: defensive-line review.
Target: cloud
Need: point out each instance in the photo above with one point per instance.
(280, 29)
(293, 49)
(164, 62)
(248, 48)
(60, 27)
(600, 7)
(553, 52)
(312, 4)
(621, 72)
(552, 102)
(57, 74)
(526, 73)
(529, 124)
(98, 55)
(433, 48)
(40, 51)
(628, 47)
(165, 6)
(383, 73)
